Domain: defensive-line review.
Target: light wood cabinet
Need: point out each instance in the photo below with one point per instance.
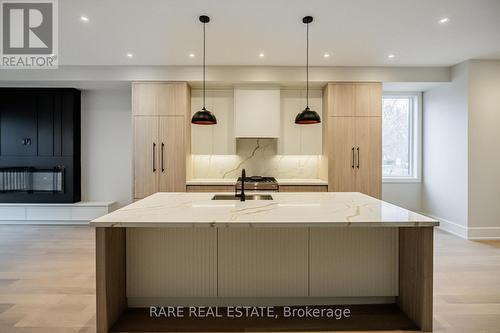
(303, 188)
(348, 99)
(369, 156)
(172, 158)
(353, 139)
(341, 99)
(160, 98)
(368, 100)
(210, 188)
(355, 155)
(161, 137)
(282, 188)
(145, 155)
(341, 142)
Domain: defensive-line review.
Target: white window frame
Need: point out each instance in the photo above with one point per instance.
(415, 137)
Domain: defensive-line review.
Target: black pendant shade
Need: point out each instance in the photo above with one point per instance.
(204, 117)
(307, 116)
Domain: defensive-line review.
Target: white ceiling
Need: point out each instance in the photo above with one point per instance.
(354, 32)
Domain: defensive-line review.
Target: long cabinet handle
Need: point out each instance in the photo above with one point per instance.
(352, 165)
(358, 157)
(162, 148)
(154, 159)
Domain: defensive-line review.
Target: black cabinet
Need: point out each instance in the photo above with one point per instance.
(18, 125)
(39, 144)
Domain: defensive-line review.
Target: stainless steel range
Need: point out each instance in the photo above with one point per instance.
(258, 183)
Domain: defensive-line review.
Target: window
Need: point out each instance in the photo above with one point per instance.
(401, 137)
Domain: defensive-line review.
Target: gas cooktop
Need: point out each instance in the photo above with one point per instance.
(258, 183)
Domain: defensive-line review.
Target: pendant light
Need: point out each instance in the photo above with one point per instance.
(204, 117)
(307, 116)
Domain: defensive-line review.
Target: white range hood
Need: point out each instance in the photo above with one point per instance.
(257, 112)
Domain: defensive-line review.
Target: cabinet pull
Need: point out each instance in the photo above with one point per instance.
(352, 166)
(358, 157)
(154, 159)
(162, 147)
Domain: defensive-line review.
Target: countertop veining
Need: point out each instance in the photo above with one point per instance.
(289, 209)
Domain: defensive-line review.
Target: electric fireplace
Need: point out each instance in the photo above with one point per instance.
(39, 145)
(31, 180)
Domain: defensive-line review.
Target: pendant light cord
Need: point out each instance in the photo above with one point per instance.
(204, 66)
(307, 65)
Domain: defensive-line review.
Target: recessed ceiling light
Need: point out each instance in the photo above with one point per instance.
(391, 56)
(191, 55)
(326, 55)
(130, 55)
(84, 18)
(444, 20)
(261, 55)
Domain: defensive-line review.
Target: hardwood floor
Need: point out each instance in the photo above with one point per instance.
(47, 282)
(47, 279)
(466, 285)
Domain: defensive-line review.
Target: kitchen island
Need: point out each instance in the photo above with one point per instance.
(298, 249)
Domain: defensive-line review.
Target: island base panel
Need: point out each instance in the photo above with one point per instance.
(412, 310)
(111, 293)
(415, 275)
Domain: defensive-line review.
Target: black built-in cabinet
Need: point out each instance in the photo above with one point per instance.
(40, 145)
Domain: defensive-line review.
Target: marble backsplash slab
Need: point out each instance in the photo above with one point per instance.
(258, 157)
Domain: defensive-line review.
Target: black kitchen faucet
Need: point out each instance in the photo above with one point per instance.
(242, 193)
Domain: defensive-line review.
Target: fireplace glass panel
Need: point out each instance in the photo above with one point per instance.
(32, 180)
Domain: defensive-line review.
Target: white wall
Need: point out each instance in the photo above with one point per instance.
(444, 192)
(107, 146)
(484, 148)
(406, 195)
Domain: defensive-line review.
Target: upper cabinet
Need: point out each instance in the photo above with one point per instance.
(299, 139)
(160, 99)
(293, 139)
(215, 139)
(352, 99)
(368, 99)
(256, 112)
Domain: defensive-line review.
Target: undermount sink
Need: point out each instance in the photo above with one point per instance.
(247, 197)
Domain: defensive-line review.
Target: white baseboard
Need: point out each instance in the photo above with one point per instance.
(483, 233)
(471, 233)
(452, 227)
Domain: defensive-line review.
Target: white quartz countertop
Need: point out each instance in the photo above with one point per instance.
(232, 181)
(288, 209)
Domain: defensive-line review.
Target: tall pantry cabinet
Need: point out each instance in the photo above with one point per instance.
(352, 137)
(161, 122)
